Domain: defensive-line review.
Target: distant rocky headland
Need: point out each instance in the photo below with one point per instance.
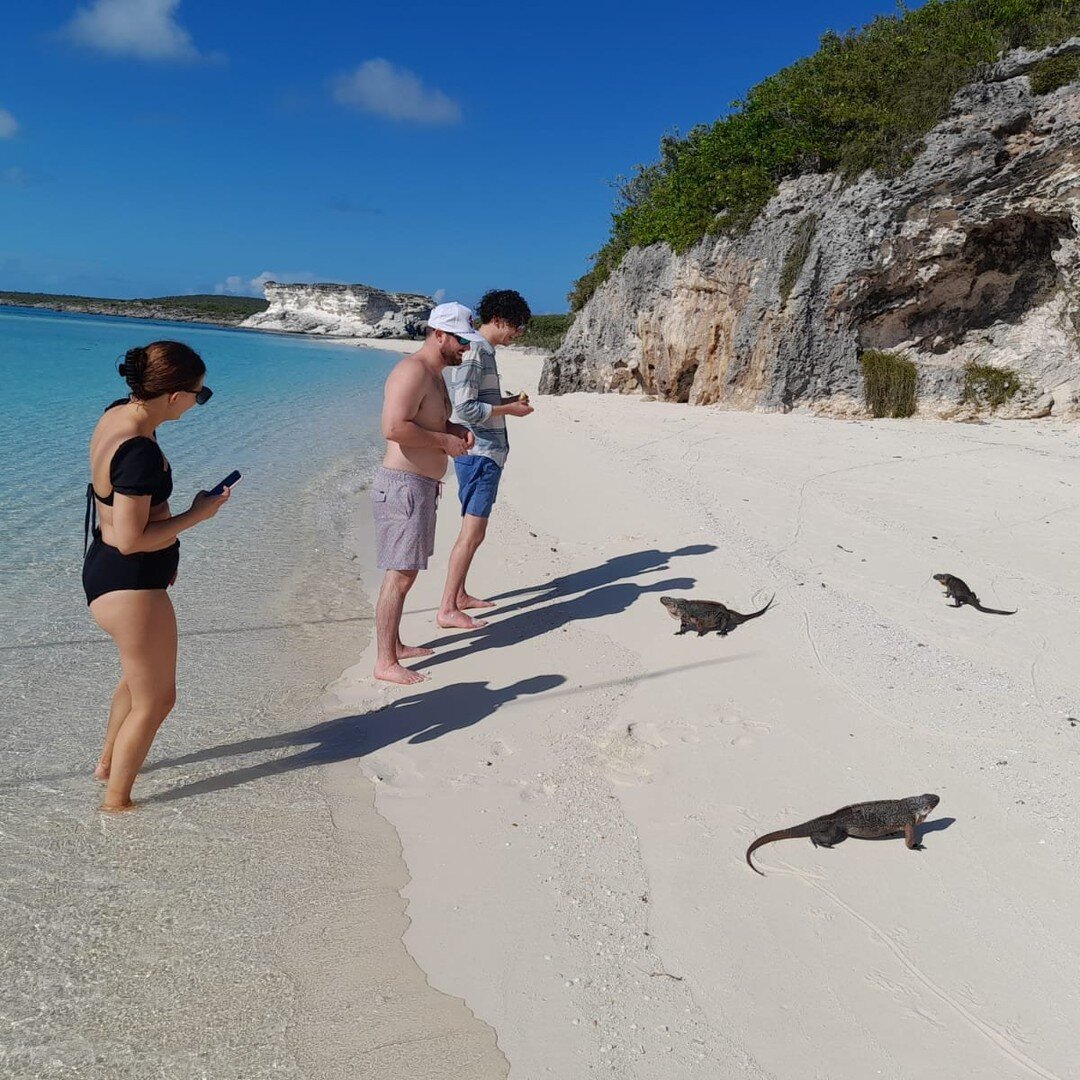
(945, 285)
(342, 311)
(217, 310)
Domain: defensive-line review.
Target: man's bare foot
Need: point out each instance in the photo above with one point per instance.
(458, 620)
(465, 602)
(410, 652)
(395, 673)
(101, 772)
(117, 808)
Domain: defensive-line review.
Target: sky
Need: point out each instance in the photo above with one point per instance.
(152, 147)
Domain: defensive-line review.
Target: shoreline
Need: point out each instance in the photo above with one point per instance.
(575, 787)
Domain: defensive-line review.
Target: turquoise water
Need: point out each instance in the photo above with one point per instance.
(285, 411)
(162, 943)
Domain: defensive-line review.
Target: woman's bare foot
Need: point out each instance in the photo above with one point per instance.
(101, 772)
(395, 673)
(465, 602)
(410, 652)
(458, 620)
(118, 808)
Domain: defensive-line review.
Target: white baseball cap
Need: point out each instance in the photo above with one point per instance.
(453, 319)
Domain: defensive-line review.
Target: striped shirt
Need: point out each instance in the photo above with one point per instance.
(474, 389)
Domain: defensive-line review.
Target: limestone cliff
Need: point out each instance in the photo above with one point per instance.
(342, 310)
(969, 256)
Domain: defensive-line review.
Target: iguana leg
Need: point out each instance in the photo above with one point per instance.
(828, 837)
(911, 837)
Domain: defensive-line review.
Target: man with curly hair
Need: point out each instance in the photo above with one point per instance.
(481, 407)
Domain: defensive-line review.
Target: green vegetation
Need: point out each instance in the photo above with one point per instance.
(212, 308)
(889, 383)
(1056, 71)
(989, 386)
(864, 100)
(546, 331)
(795, 259)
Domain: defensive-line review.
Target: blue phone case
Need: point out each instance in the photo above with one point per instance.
(227, 482)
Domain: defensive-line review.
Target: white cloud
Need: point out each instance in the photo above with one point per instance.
(237, 285)
(8, 124)
(378, 87)
(146, 29)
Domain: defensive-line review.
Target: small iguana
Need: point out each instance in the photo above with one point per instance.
(958, 591)
(865, 821)
(705, 616)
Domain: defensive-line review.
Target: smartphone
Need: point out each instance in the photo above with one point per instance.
(228, 482)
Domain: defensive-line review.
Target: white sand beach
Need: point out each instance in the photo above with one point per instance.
(575, 787)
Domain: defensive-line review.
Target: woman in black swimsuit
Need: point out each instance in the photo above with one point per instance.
(134, 554)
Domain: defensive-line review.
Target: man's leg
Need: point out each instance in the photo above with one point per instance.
(395, 587)
(450, 616)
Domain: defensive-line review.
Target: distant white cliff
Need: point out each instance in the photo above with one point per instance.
(342, 310)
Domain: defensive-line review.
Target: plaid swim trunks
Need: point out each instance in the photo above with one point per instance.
(404, 504)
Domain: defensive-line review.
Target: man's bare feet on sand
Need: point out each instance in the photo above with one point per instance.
(410, 652)
(101, 772)
(458, 620)
(465, 602)
(119, 808)
(395, 673)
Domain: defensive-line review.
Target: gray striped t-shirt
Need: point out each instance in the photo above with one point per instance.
(474, 389)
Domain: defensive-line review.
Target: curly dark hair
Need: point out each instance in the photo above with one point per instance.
(503, 304)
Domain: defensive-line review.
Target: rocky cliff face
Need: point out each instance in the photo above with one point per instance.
(344, 310)
(970, 256)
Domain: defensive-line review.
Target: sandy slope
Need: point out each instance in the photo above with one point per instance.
(575, 787)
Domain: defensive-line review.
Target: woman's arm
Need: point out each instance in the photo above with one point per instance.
(133, 530)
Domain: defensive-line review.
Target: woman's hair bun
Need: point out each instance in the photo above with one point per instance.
(133, 366)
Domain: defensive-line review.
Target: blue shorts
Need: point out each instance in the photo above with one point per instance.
(478, 484)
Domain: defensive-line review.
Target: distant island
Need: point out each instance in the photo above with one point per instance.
(206, 308)
(331, 310)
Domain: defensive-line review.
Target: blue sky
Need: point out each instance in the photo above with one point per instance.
(176, 146)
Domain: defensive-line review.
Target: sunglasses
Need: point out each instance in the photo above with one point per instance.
(201, 396)
(462, 340)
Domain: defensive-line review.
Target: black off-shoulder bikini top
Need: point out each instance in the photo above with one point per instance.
(138, 467)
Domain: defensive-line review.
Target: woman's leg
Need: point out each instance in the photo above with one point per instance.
(121, 706)
(143, 625)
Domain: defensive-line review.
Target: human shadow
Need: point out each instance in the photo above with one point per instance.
(417, 718)
(613, 570)
(528, 624)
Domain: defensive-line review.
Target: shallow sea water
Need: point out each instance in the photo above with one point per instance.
(156, 944)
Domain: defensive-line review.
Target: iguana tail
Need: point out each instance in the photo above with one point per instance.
(755, 614)
(794, 833)
(993, 611)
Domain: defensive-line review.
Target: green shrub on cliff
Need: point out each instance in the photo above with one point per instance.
(795, 259)
(546, 331)
(988, 385)
(864, 100)
(889, 383)
(1056, 71)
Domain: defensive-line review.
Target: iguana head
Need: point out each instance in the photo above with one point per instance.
(923, 805)
(942, 578)
(673, 605)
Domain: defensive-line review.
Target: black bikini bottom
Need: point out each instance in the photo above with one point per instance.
(106, 569)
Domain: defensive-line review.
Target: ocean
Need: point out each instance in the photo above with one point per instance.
(163, 942)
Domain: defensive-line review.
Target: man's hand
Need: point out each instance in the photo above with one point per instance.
(455, 445)
(514, 407)
(462, 432)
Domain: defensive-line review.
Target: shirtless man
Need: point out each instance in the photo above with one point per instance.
(419, 440)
